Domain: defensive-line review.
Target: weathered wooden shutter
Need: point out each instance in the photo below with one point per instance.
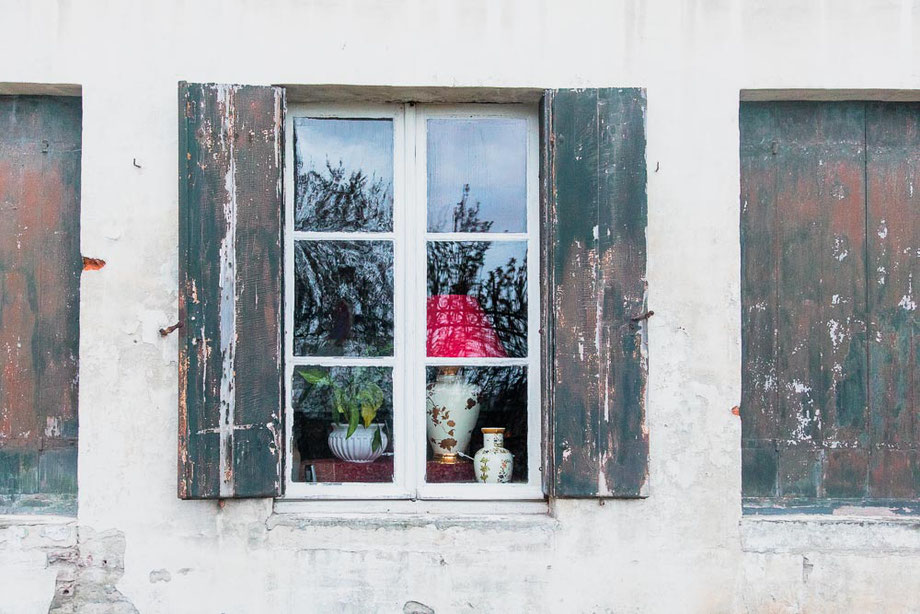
(230, 279)
(595, 204)
(830, 246)
(40, 264)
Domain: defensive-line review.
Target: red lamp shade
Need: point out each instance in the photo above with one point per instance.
(458, 327)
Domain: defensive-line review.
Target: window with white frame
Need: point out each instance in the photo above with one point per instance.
(412, 301)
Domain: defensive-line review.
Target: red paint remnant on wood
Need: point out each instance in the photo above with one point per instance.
(893, 225)
(830, 252)
(39, 292)
(803, 289)
(92, 264)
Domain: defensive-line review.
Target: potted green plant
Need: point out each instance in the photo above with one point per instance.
(355, 400)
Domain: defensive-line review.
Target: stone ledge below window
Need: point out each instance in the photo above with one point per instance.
(510, 515)
(834, 534)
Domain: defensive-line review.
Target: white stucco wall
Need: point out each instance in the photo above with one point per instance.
(685, 548)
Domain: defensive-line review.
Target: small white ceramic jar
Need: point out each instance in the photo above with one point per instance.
(493, 463)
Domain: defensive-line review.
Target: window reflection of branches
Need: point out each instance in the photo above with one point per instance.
(344, 298)
(456, 267)
(342, 201)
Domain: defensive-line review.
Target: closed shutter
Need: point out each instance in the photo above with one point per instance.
(40, 264)
(830, 238)
(594, 182)
(230, 276)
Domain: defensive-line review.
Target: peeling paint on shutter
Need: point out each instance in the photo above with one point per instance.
(830, 249)
(893, 230)
(230, 281)
(40, 264)
(804, 406)
(595, 215)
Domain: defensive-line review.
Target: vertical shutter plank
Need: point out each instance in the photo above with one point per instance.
(622, 289)
(575, 387)
(760, 415)
(230, 290)
(893, 224)
(597, 203)
(199, 438)
(821, 347)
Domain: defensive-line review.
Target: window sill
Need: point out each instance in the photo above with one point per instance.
(852, 532)
(510, 515)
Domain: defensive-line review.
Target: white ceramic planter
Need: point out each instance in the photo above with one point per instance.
(453, 408)
(493, 464)
(359, 448)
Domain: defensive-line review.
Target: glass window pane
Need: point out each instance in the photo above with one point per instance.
(477, 299)
(460, 402)
(323, 450)
(343, 298)
(343, 175)
(477, 175)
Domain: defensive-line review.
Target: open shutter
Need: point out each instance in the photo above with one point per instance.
(230, 268)
(594, 184)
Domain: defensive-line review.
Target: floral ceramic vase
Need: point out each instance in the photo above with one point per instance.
(493, 464)
(452, 405)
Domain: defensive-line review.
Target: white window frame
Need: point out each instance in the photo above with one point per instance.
(409, 361)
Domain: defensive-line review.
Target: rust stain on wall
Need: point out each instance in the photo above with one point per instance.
(92, 264)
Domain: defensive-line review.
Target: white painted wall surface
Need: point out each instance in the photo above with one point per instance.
(684, 549)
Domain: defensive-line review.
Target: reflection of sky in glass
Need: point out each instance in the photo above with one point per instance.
(487, 154)
(360, 144)
(500, 252)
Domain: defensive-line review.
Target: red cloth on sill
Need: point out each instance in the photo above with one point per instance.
(381, 470)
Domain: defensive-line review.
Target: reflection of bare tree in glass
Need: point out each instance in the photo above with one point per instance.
(344, 292)
(342, 201)
(503, 296)
(344, 289)
(456, 267)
